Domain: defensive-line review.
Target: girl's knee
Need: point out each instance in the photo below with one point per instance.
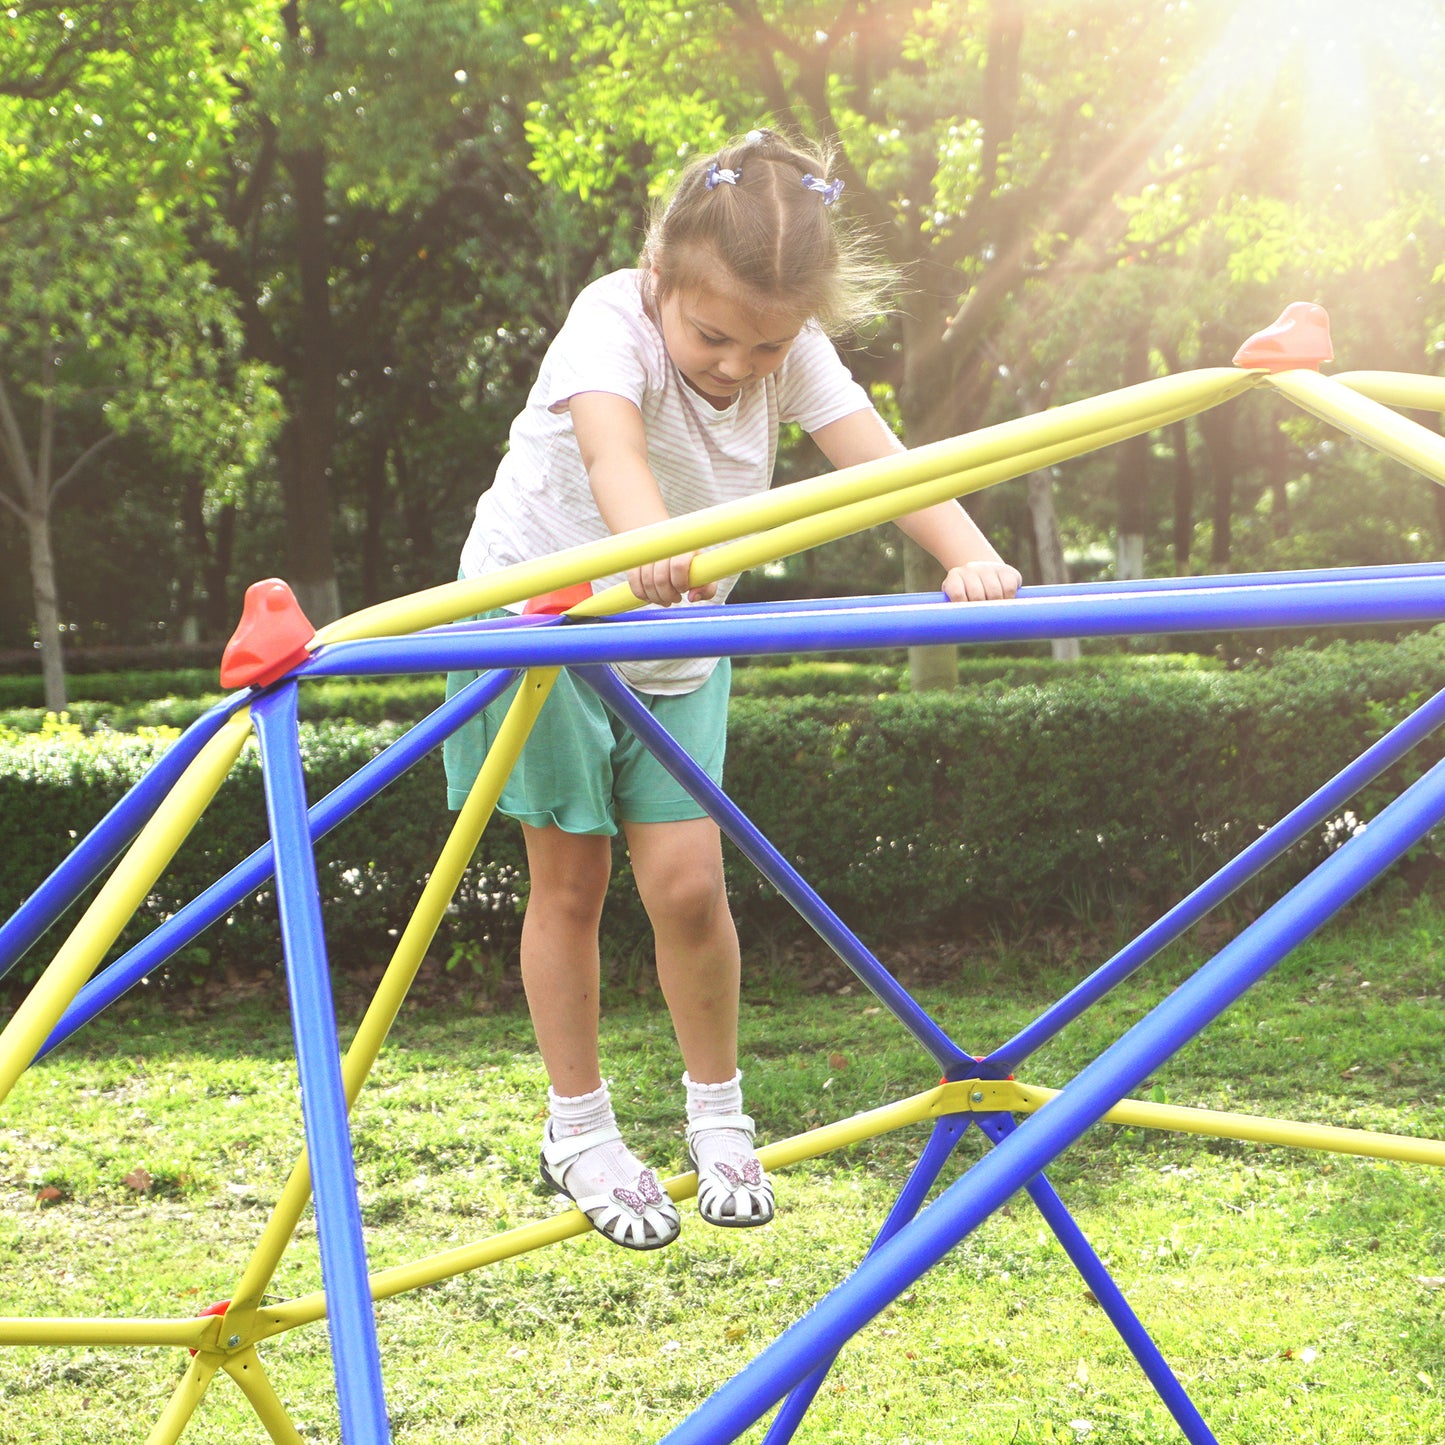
(567, 875)
(575, 899)
(689, 901)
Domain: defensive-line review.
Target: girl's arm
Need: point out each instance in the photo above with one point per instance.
(975, 572)
(613, 443)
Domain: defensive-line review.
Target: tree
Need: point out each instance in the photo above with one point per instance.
(110, 325)
(391, 253)
(985, 151)
(1014, 157)
(104, 318)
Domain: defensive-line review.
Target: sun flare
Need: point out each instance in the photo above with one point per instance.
(1337, 55)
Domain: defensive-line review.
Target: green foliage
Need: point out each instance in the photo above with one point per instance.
(809, 677)
(114, 704)
(114, 118)
(369, 867)
(1110, 790)
(90, 99)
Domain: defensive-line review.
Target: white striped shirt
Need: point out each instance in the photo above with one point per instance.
(540, 501)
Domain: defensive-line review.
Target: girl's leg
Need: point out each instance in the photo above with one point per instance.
(582, 1151)
(679, 874)
(568, 875)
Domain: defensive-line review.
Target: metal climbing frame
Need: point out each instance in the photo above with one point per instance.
(275, 652)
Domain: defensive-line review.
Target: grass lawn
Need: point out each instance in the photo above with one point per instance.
(1298, 1296)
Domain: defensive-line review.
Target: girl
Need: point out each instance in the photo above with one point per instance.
(662, 394)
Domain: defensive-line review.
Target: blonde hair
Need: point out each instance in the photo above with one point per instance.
(749, 213)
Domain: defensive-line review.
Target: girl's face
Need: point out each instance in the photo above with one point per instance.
(720, 345)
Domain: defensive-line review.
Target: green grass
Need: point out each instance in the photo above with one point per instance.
(1298, 1296)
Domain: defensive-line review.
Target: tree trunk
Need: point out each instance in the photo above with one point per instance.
(1132, 477)
(1049, 546)
(373, 547)
(417, 519)
(1183, 499)
(1216, 426)
(933, 668)
(1279, 459)
(307, 448)
(47, 601)
(32, 505)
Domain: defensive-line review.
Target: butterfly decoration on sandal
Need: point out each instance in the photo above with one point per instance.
(647, 1195)
(751, 1174)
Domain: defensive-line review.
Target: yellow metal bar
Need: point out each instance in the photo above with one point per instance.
(1397, 388)
(1387, 431)
(385, 1284)
(932, 1104)
(184, 1398)
(391, 992)
(1140, 407)
(193, 1334)
(794, 537)
(114, 906)
(1026, 1098)
(245, 1368)
(965, 1096)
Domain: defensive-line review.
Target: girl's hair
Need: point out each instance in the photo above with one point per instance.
(760, 212)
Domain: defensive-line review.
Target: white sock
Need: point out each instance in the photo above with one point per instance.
(604, 1167)
(728, 1146)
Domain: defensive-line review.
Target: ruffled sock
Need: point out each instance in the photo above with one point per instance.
(604, 1167)
(730, 1148)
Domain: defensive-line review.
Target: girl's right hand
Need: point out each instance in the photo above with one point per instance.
(665, 582)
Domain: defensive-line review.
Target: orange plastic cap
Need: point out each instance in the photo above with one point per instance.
(273, 637)
(562, 600)
(219, 1308)
(1298, 341)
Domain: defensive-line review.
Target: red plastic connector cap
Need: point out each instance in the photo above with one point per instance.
(274, 636)
(1299, 340)
(562, 600)
(219, 1308)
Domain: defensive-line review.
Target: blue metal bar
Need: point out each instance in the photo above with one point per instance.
(1080, 590)
(1297, 824)
(108, 839)
(189, 922)
(1097, 1088)
(1111, 1298)
(1083, 590)
(775, 868)
(1303, 576)
(720, 631)
(947, 1131)
(496, 624)
(355, 1358)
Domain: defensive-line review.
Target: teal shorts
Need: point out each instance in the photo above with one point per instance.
(583, 771)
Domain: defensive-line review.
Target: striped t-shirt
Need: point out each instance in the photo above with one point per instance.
(540, 501)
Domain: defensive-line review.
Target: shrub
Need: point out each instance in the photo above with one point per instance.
(54, 787)
(1114, 787)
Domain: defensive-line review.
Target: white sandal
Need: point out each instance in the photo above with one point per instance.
(731, 1197)
(642, 1217)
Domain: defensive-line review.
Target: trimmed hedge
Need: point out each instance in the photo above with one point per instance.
(123, 701)
(118, 706)
(80, 661)
(1108, 789)
(370, 869)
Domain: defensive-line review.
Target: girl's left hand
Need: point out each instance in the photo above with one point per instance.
(666, 582)
(982, 582)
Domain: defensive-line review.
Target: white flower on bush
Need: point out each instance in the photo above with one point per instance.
(1340, 830)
